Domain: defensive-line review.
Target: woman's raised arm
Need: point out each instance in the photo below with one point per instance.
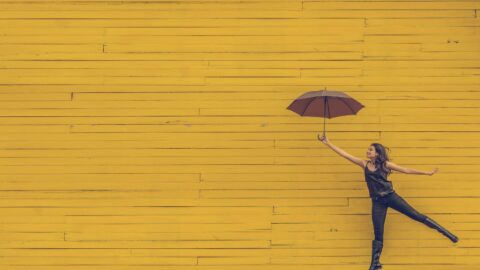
(341, 152)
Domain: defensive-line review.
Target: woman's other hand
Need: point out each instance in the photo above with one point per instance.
(433, 171)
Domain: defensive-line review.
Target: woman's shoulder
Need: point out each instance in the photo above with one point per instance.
(365, 162)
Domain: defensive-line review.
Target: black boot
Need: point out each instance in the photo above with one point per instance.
(376, 251)
(432, 224)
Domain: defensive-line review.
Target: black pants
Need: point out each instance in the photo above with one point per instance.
(395, 201)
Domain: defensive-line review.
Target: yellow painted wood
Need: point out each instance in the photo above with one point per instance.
(155, 135)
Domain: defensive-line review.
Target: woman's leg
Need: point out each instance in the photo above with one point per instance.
(398, 203)
(379, 212)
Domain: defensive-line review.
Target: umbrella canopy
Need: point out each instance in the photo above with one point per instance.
(326, 104)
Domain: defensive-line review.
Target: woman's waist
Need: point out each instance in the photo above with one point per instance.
(378, 180)
(382, 195)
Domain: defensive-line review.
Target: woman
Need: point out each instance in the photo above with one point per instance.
(382, 195)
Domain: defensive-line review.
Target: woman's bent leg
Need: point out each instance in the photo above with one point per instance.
(398, 203)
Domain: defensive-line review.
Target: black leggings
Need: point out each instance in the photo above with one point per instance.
(395, 201)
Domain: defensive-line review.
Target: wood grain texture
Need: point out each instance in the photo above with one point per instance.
(141, 134)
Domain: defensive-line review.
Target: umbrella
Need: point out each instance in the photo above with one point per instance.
(326, 104)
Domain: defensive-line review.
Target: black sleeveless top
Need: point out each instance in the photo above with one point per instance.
(377, 183)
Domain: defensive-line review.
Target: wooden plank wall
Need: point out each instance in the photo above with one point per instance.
(154, 134)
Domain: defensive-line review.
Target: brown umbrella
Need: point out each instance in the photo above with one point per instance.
(326, 104)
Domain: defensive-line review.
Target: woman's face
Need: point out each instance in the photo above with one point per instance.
(371, 153)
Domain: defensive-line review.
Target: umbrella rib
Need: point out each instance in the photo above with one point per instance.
(306, 107)
(347, 105)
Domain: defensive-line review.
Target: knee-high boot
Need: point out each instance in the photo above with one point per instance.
(432, 224)
(376, 252)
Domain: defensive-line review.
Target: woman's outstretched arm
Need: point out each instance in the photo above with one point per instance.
(341, 152)
(395, 167)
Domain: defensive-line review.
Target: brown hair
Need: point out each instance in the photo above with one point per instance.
(382, 158)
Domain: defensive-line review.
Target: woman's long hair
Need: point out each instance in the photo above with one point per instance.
(382, 158)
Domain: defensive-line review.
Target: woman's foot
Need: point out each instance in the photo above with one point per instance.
(432, 224)
(376, 251)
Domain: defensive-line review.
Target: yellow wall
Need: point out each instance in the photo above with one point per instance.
(154, 134)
